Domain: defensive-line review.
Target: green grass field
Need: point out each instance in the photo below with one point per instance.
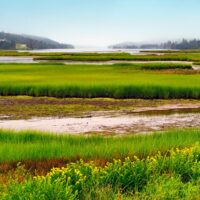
(158, 166)
(174, 175)
(167, 56)
(188, 55)
(22, 146)
(161, 165)
(116, 81)
(172, 51)
(24, 53)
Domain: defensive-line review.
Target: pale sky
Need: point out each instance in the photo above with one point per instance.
(102, 22)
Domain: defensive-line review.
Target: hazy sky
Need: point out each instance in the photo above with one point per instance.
(102, 22)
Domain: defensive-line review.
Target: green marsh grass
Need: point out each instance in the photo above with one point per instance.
(90, 81)
(171, 51)
(188, 55)
(29, 53)
(29, 145)
(154, 66)
(173, 174)
(196, 63)
(123, 57)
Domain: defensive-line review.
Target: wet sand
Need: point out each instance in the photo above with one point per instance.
(102, 116)
(107, 124)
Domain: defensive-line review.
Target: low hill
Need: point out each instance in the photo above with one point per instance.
(182, 45)
(9, 41)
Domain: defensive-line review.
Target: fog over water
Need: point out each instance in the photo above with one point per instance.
(90, 49)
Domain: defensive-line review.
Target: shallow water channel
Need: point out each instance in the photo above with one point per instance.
(26, 59)
(106, 124)
(16, 59)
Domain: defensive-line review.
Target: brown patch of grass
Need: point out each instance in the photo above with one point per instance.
(42, 167)
(185, 71)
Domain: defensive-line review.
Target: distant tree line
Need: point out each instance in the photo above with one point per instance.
(182, 45)
(8, 41)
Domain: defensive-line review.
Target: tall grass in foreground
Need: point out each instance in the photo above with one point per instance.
(174, 175)
(20, 146)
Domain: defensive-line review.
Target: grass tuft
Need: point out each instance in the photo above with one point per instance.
(29, 145)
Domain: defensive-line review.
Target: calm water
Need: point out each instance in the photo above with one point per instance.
(90, 49)
(16, 59)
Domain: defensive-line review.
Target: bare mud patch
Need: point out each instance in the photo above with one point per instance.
(121, 124)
